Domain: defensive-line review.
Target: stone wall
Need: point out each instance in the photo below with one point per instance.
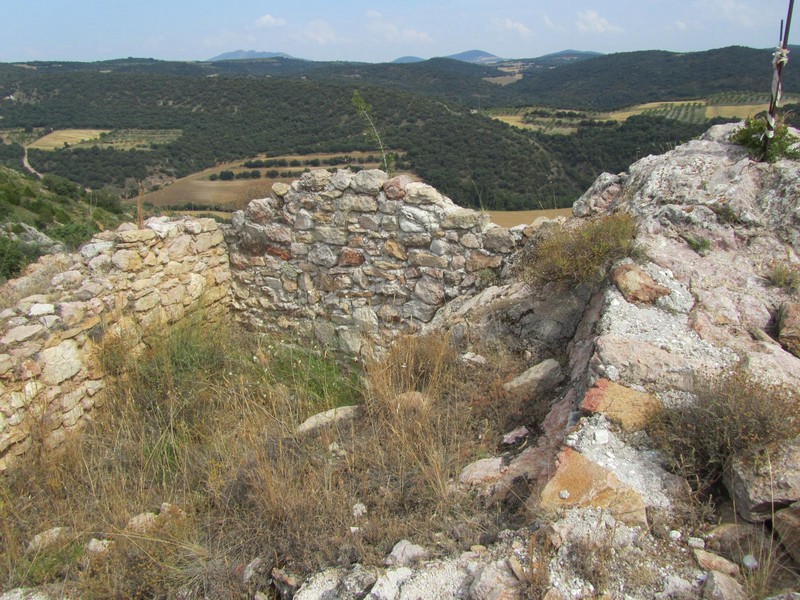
(341, 256)
(358, 256)
(129, 282)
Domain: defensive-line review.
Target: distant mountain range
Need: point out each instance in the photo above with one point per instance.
(476, 57)
(248, 55)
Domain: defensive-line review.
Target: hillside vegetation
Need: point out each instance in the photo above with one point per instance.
(192, 116)
(55, 207)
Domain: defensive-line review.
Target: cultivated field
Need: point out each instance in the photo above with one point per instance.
(736, 105)
(57, 139)
(504, 80)
(134, 139)
(198, 189)
(510, 218)
(121, 139)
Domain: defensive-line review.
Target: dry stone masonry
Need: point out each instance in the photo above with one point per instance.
(128, 282)
(358, 256)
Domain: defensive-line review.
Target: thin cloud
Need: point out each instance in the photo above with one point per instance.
(270, 21)
(589, 21)
(512, 26)
(319, 32)
(390, 32)
(737, 11)
(548, 22)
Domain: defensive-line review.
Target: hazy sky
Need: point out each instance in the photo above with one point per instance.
(372, 31)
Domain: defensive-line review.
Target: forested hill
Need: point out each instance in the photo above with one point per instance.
(475, 160)
(600, 82)
(614, 80)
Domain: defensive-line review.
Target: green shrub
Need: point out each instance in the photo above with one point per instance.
(734, 416)
(74, 234)
(753, 135)
(12, 258)
(785, 275)
(698, 244)
(580, 253)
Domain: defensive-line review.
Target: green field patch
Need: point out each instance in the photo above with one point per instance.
(63, 138)
(134, 139)
(729, 105)
(119, 139)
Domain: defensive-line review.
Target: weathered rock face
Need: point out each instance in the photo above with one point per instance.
(127, 282)
(370, 255)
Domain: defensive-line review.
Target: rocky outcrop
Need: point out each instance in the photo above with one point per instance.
(350, 257)
(123, 283)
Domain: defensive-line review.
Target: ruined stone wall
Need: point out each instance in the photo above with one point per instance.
(358, 256)
(345, 257)
(129, 282)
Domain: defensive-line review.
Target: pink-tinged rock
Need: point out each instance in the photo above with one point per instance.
(604, 193)
(260, 210)
(495, 581)
(478, 260)
(787, 524)
(278, 234)
(714, 562)
(482, 472)
(350, 257)
(789, 335)
(636, 285)
(581, 482)
(629, 408)
(758, 490)
(538, 463)
(645, 363)
(395, 188)
(719, 586)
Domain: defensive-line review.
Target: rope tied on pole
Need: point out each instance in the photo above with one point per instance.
(779, 60)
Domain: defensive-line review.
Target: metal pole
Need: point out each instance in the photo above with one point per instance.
(780, 58)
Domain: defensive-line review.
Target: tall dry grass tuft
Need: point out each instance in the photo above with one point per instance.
(580, 252)
(735, 415)
(205, 419)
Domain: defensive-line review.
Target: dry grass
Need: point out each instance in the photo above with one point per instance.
(735, 416)
(785, 275)
(205, 419)
(579, 252)
(57, 139)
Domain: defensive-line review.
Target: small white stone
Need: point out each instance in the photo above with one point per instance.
(601, 436)
(675, 535)
(359, 510)
(750, 562)
(563, 494)
(694, 542)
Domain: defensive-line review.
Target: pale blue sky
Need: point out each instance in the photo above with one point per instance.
(377, 31)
